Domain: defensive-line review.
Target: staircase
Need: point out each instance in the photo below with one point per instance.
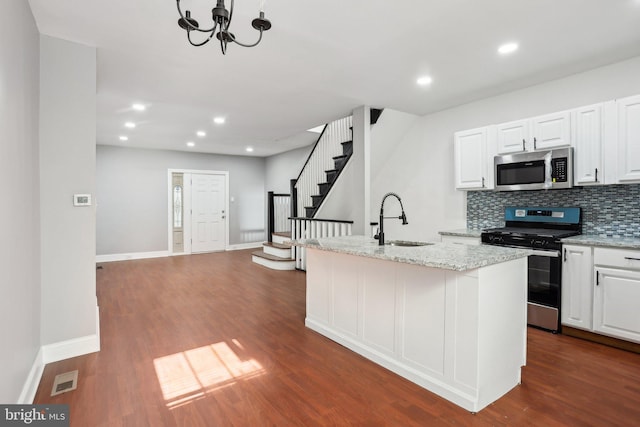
(329, 157)
(331, 175)
(276, 255)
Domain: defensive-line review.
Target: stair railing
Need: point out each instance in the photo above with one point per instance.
(320, 160)
(314, 228)
(279, 206)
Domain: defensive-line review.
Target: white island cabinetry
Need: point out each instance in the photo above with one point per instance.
(459, 334)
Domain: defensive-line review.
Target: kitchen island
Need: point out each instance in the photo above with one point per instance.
(449, 317)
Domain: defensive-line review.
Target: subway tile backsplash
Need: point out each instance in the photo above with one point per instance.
(607, 211)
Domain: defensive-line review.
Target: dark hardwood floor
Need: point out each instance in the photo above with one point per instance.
(215, 340)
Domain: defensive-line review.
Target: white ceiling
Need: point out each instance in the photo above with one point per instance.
(322, 59)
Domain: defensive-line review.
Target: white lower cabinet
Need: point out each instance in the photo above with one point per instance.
(577, 268)
(615, 303)
(601, 291)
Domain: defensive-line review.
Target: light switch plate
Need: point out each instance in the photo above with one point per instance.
(82, 200)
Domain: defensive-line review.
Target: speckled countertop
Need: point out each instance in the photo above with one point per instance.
(437, 255)
(462, 232)
(608, 242)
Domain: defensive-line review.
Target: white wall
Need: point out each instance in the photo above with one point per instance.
(19, 215)
(281, 168)
(67, 166)
(132, 196)
(419, 165)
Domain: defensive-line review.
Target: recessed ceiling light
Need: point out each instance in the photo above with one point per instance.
(191, 144)
(124, 138)
(130, 125)
(424, 80)
(249, 149)
(507, 48)
(219, 120)
(317, 129)
(139, 107)
(201, 133)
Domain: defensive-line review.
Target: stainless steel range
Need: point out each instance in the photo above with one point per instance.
(539, 229)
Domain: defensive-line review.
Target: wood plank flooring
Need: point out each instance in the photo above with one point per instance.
(216, 340)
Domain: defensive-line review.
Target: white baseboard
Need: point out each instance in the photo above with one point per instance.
(130, 256)
(55, 352)
(33, 381)
(241, 246)
(70, 348)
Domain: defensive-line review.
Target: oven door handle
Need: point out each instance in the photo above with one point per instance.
(550, 254)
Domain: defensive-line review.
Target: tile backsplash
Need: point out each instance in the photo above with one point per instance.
(607, 211)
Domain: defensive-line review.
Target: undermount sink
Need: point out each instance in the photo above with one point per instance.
(407, 244)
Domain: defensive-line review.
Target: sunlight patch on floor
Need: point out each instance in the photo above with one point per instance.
(190, 374)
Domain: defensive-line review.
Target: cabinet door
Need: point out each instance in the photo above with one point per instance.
(629, 139)
(551, 131)
(615, 303)
(588, 145)
(471, 159)
(576, 286)
(512, 137)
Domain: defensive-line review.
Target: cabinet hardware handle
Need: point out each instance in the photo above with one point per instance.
(632, 258)
(534, 143)
(565, 255)
(523, 145)
(597, 278)
(483, 182)
(596, 174)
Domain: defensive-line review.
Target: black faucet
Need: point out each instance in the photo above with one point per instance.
(403, 217)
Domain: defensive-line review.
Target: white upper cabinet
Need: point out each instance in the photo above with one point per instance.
(537, 133)
(472, 156)
(628, 127)
(588, 145)
(551, 131)
(512, 136)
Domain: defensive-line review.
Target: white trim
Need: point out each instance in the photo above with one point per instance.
(54, 352)
(241, 246)
(70, 348)
(33, 381)
(130, 256)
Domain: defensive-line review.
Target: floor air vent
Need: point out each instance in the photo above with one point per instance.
(64, 383)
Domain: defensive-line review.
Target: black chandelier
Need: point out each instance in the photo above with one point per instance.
(221, 22)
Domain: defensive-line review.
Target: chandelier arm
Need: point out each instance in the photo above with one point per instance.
(233, 39)
(230, 14)
(223, 45)
(200, 44)
(191, 27)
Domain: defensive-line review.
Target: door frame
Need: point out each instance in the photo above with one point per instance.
(186, 190)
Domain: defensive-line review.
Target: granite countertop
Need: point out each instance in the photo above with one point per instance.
(608, 242)
(447, 256)
(463, 232)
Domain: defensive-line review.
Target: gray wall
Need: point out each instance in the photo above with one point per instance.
(132, 196)
(280, 169)
(20, 213)
(67, 167)
(419, 165)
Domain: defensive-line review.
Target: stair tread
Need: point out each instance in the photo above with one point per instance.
(276, 245)
(343, 156)
(332, 170)
(282, 234)
(270, 257)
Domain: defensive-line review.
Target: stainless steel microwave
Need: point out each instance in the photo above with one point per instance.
(550, 169)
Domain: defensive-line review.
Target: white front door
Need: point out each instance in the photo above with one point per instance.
(208, 216)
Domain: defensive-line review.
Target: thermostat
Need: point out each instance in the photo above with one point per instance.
(82, 200)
